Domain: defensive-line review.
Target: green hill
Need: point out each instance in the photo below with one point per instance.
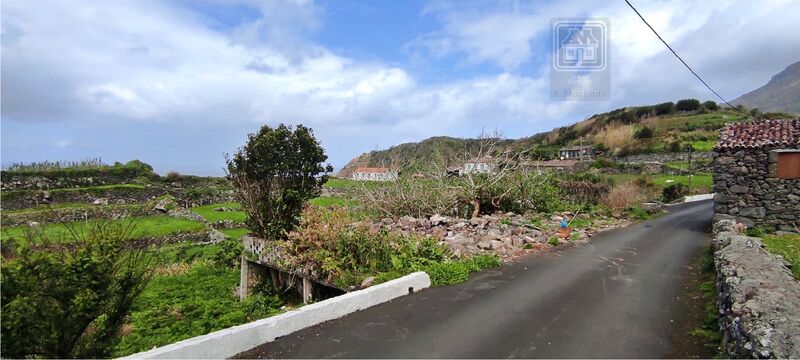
(666, 127)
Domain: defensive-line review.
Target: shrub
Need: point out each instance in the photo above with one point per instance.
(687, 105)
(643, 133)
(674, 146)
(584, 192)
(333, 246)
(174, 176)
(274, 175)
(710, 105)
(71, 301)
(674, 192)
(230, 252)
(664, 108)
(623, 196)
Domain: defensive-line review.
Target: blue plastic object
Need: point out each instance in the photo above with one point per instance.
(564, 224)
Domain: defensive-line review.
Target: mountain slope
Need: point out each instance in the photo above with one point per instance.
(780, 94)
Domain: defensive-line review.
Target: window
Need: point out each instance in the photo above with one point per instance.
(788, 166)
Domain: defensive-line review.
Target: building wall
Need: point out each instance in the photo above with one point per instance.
(746, 187)
(374, 176)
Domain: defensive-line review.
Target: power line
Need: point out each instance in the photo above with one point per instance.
(684, 62)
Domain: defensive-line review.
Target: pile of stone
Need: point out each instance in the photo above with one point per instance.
(506, 235)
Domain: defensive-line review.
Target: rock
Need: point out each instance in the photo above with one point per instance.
(479, 222)
(407, 220)
(739, 189)
(756, 212)
(439, 233)
(485, 245)
(489, 237)
(214, 236)
(518, 231)
(367, 282)
(100, 201)
(437, 219)
(460, 239)
(162, 205)
(496, 244)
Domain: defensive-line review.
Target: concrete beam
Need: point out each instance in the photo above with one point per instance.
(231, 341)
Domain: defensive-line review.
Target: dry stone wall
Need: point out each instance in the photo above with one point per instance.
(757, 297)
(746, 187)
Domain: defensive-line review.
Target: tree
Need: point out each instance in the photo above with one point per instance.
(664, 108)
(643, 111)
(69, 298)
(274, 174)
(688, 105)
(710, 105)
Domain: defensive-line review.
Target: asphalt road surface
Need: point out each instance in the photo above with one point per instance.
(616, 297)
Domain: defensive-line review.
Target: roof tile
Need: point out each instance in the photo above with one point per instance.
(758, 134)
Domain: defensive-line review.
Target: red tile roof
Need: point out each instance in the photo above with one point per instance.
(371, 170)
(757, 134)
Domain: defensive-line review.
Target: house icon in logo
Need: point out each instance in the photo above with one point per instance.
(580, 46)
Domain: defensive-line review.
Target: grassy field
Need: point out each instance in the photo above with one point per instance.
(235, 233)
(325, 201)
(699, 182)
(684, 165)
(787, 246)
(710, 121)
(147, 226)
(208, 213)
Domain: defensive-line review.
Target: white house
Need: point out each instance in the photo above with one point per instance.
(374, 174)
(482, 165)
(577, 152)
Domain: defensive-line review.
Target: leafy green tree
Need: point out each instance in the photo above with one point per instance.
(710, 105)
(688, 105)
(274, 174)
(644, 111)
(70, 301)
(664, 108)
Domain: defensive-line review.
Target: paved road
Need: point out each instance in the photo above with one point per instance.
(613, 298)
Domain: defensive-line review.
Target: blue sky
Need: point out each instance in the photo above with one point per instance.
(178, 83)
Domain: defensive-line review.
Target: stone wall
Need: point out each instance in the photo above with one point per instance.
(757, 297)
(746, 187)
(661, 157)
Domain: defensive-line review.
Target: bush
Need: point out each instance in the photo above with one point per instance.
(687, 105)
(643, 133)
(674, 192)
(71, 301)
(335, 247)
(675, 146)
(664, 108)
(624, 195)
(710, 106)
(275, 174)
(230, 253)
(174, 176)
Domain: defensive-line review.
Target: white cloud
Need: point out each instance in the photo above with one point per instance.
(149, 62)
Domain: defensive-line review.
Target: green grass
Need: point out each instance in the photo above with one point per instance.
(88, 188)
(208, 213)
(704, 145)
(147, 226)
(710, 121)
(787, 246)
(326, 201)
(235, 233)
(177, 307)
(352, 184)
(187, 252)
(684, 165)
(45, 208)
(700, 182)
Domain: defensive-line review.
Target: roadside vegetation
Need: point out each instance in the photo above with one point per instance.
(788, 246)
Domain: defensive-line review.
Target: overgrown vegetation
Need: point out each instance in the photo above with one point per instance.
(71, 302)
(339, 250)
(788, 246)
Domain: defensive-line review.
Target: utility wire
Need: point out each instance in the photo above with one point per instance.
(684, 62)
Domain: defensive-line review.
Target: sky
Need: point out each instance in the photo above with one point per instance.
(179, 83)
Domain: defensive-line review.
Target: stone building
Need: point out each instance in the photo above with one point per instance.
(756, 170)
(373, 174)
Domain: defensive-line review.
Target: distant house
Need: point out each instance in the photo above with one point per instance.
(576, 152)
(756, 171)
(558, 166)
(483, 165)
(373, 174)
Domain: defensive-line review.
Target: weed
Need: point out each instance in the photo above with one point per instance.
(787, 246)
(553, 241)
